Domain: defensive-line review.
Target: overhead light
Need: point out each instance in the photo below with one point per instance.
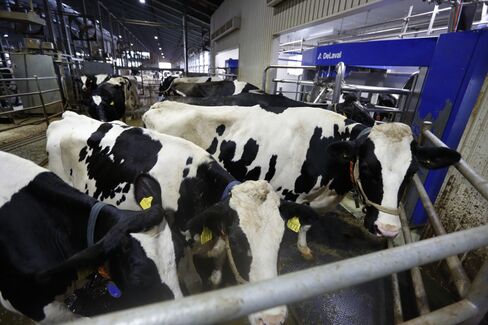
(160, 49)
(131, 44)
(5, 35)
(142, 1)
(155, 37)
(120, 36)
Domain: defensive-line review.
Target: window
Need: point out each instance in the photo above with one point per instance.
(199, 62)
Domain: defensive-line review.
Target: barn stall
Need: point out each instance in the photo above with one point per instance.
(422, 64)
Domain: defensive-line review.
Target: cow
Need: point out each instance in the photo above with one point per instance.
(170, 80)
(90, 82)
(50, 231)
(237, 224)
(353, 110)
(309, 155)
(208, 89)
(113, 98)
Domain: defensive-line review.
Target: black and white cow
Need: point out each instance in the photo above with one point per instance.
(207, 89)
(112, 98)
(44, 226)
(90, 82)
(206, 201)
(309, 155)
(171, 80)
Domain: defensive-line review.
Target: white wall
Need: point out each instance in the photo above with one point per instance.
(222, 56)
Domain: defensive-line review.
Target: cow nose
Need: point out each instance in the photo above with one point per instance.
(271, 320)
(386, 230)
(274, 316)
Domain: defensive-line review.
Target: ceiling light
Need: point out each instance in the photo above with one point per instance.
(155, 37)
(131, 44)
(142, 1)
(5, 35)
(160, 49)
(120, 36)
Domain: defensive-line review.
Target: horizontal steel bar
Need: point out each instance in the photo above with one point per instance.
(20, 94)
(478, 181)
(374, 89)
(461, 280)
(30, 108)
(306, 67)
(429, 12)
(232, 303)
(27, 79)
(296, 82)
(32, 122)
(449, 315)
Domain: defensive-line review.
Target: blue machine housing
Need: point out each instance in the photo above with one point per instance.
(457, 66)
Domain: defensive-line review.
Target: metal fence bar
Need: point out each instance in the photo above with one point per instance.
(478, 295)
(397, 302)
(30, 108)
(478, 181)
(449, 315)
(418, 283)
(265, 72)
(232, 303)
(461, 280)
(375, 89)
(32, 122)
(27, 79)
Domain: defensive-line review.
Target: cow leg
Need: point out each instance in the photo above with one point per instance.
(188, 273)
(302, 243)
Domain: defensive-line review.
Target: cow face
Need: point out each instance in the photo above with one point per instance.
(88, 83)
(251, 220)
(384, 161)
(108, 104)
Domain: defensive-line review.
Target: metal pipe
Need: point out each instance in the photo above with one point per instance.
(29, 109)
(232, 303)
(44, 112)
(185, 42)
(397, 303)
(50, 27)
(478, 295)
(478, 181)
(339, 81)
(101, 29)
(418, 283)
(461, 280)
(86, 32)
(375, 89)
(449, 315)
(293, 81)
(277, 66)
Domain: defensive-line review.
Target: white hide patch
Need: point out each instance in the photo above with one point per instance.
(239, 86)
(392, 149)
(14, 182)
(257, 206)
(97, 99)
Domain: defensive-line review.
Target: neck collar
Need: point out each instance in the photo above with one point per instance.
(228, 188)
(92, 221)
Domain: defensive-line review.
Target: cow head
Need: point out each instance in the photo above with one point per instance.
(130, 269)
(250, 218)
(383, 162)
(108, 103)
(88, 83)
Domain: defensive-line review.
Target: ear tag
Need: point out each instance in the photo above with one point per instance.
(293, 224)
(113, 290)
(112, 103)
(146, 202)
(205, 236)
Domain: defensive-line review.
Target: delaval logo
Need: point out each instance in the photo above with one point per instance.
(329, 55)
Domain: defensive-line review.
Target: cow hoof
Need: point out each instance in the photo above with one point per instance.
(306, 253)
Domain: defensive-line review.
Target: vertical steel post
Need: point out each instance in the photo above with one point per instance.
(50, 27)
(397, 303)
(478, 295)
(86, 32)
(111, 37)
(65, 46)
(185, 42)
(101, 28)
(41, 97)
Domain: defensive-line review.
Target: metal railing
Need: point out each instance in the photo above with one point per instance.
(235, 302)
(39, 92)
(265, 73)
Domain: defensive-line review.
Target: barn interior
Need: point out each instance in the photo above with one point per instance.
(420, 63)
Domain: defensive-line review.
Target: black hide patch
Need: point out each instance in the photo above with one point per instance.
(239, 168)
(220, 129)
(112, 167)
(271, 169)
(319, 163)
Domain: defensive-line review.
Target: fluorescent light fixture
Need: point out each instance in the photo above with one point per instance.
(5, 35)
(142, 1)
(120, 36)
(321, 34)
(160, 49)
(131, 44)
(155, 37)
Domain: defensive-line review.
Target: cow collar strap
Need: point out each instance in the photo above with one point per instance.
(228, 188)
(232, 263)
(356, 181)
(92, 221)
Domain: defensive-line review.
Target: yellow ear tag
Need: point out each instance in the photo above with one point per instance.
(146, 202)
(206, 235)
(293, 224)
(112, 103)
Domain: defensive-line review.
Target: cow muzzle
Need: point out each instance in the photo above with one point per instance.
(386, 229)
(274, 316)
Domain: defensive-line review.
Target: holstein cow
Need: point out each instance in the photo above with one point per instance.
(113, 97)
(90, 82)
(50, 231)
(168, 81)
(309, 155)
(239, 221)
(209, 89)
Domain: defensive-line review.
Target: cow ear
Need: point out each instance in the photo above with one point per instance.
(214, 218)
(435, 157)
(305, 213)
(342, 151)
(147, 191)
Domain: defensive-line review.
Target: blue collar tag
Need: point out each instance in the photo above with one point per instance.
(113, 290)
(228, 188)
